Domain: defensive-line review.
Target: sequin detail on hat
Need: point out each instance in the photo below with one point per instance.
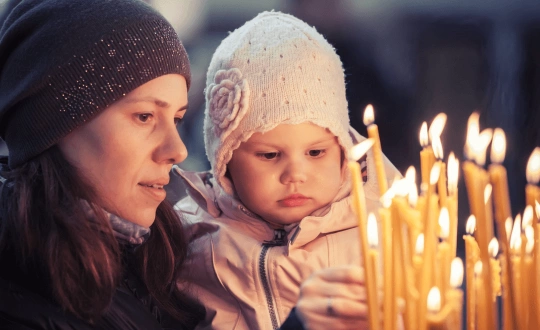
(228, 98)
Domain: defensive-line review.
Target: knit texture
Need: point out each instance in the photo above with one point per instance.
(273, 70)
(62, 62)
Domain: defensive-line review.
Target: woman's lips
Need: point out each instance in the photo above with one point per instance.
(294, 200)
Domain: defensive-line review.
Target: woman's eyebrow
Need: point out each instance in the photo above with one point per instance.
(156, 101)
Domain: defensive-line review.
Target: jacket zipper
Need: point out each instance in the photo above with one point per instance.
(280, 239)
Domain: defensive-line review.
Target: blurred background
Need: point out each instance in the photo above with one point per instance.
(411, 59)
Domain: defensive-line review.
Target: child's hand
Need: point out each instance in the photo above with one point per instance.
(334, 298)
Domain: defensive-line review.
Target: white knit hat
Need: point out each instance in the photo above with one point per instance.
(273, 70)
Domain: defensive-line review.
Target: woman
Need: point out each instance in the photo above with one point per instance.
(91, 93)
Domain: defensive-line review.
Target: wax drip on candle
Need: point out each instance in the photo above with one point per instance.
(434, 300)
(360, 149)
(498, 146)
(533, 167)
(515, 237)
(470, 225)
(419, 246)
(444, 223)
(456, 273)
(437, 126)
(487, 192)
(453, 172)
(437, 147)
(527, 217)
(423, 136)
(372, 234)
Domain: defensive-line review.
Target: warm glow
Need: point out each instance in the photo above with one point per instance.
(453, 172)
(369, 115)
(533, 167)
(437, 147)
(360, 149)
(410, 175)
(537, 209)
(527, 217)
(372, 233)
(508, 227)
(386, 199)
(444, 223)
(478, 268)
(401, 187)
(437, 126)
(413, 195)
(434, 174)
(481, 145)
(470, 225)
(419, 246)
(498, 146)
(487, 193)
(473, 131)
(434, 300)
(493, 247)
(424, 141)
(515, 237)
(456, 273)
(529, 234)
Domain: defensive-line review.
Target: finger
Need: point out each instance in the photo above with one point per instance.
(335, 308)
(345, 274)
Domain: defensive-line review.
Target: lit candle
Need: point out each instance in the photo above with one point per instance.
(434, 307)
(429, 247)
(533, 177)
(373, 133)
(480, 310)
(444, 251)
(453, 172)
(472, 254)
(359, 207)
(441, 184)
(417, 258)
(454, 296)
(515, 250)
(389, 298)
(373, 256)
(493, 249)
(529, 283)
(427, 158)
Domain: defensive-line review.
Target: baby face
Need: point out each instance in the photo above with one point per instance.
(288, 172)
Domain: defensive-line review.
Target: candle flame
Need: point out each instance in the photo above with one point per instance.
(437, 126)
(444, 223)
(529, 247)
(478, 268)
(401, 187)
(533, 167)
(515, 237)
(498, 146)
(481, 145)
(508, 227)
(537, 209)
(453, 172)
(529, 234)
(386, 199)
(473, 131)
(369, 115)
(456, 273)
(360, 149)
(434, 174)
(493, 247)
(413, 196)
(437, 147)
(487, 192)
(434, 300)
(419, 246)
(470, 225)
(423, 136)
(410, 175)
(527, 217)
(372, 233)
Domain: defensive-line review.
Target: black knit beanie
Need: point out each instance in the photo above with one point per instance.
(64, 61)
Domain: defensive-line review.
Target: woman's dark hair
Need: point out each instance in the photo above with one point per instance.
(46, 230)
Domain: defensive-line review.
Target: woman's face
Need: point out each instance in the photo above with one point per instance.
(127, 151)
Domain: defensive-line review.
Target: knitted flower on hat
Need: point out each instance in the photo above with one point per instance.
(273, 70)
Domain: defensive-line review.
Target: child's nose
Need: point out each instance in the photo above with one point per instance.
(294, 172)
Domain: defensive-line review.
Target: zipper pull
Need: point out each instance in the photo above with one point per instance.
(280, 238)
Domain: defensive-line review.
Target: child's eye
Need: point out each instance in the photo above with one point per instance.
(316, 152)
(268, 155)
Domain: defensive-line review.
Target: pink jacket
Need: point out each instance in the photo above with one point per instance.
(248, 275)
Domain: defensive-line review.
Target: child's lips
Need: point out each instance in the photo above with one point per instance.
(294, 200)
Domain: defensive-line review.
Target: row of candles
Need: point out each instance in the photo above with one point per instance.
(421, 275)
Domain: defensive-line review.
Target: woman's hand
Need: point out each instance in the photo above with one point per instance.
(334, 298)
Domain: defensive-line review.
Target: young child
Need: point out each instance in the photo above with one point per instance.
(275, 207)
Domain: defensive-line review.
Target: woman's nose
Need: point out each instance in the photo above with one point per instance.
(172, 149)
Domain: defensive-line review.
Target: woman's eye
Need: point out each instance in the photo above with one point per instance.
(268, 155)
(144, 117)
(178, 121)
(316, 153)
